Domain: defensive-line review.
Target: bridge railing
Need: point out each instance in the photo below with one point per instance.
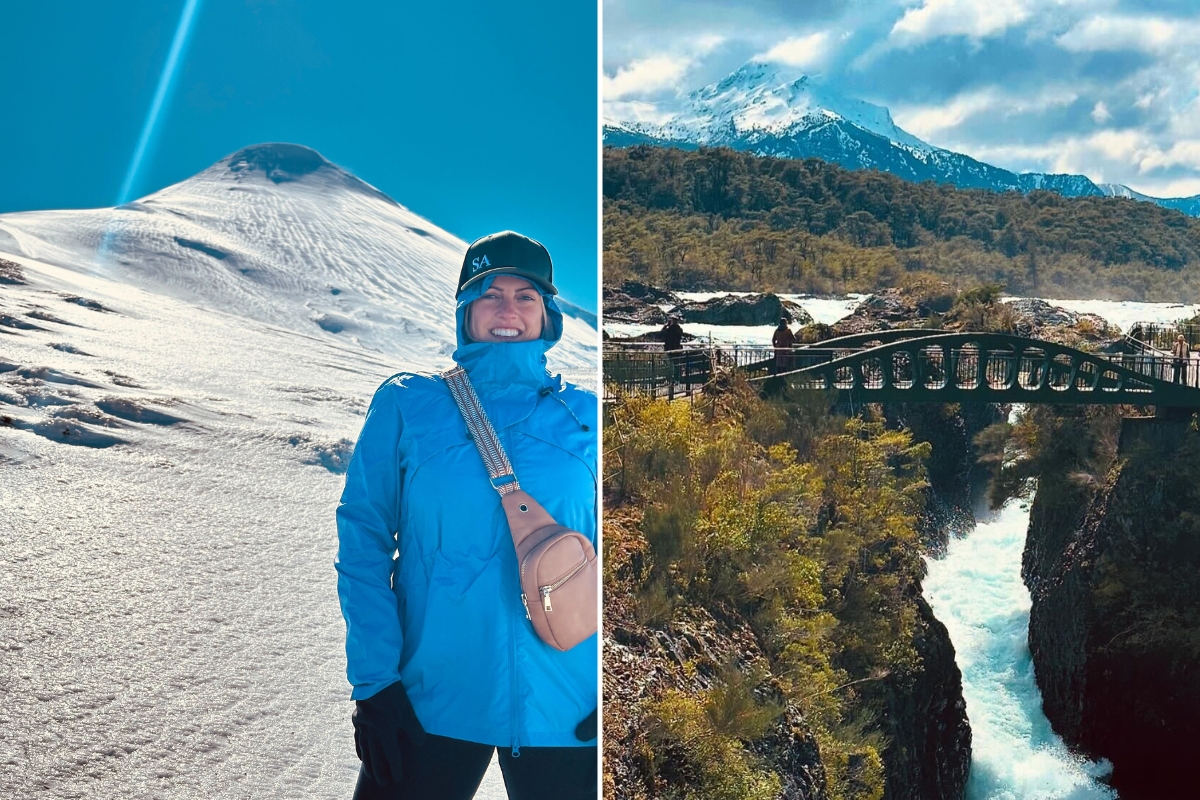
(651, 371)
(971, 368)
(1162, 335)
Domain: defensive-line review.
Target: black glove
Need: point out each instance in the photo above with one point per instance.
(585, 731)
(379, 723)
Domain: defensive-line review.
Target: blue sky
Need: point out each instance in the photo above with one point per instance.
(478, 116)
(1105, 88)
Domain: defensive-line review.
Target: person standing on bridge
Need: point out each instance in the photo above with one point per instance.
(672, 339)
(1181, 353)
(672, 335)
(783, 341)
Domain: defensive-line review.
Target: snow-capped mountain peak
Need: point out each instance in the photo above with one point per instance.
(767, 99)
(773, 110)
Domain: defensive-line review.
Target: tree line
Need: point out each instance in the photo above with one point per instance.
(719, 219)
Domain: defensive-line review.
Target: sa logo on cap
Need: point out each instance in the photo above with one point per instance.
(479, 263)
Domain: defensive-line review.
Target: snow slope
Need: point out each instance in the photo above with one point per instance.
(278, 234)
(174, 428)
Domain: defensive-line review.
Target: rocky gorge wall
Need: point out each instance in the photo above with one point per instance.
(1114, 574)
(930, 751)
(928, 755)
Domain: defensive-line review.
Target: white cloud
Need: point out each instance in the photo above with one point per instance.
(645, 76)
(1130, 146)
(1179, 187)
(1016, 157)
(660, 71)
(706, 43)
(931, 122)
(975, 19)
(617, 111)
(1146, 100)
(1100, 113)
(1180, 154)
(804, 52)
(1128, 157)
(1106, 33)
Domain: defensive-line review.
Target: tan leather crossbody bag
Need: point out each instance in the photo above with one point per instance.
(560, 578)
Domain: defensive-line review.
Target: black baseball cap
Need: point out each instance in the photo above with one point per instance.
(507, 252)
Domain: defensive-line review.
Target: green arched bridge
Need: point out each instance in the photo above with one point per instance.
(921, 366)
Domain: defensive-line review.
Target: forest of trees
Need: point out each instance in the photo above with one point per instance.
(716, 219)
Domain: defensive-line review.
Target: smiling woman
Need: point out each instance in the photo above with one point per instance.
(445, 661)
(511, 310)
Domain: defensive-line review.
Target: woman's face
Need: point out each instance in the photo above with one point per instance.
(511, 310)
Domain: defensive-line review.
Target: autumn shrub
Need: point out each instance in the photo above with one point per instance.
(710, 728)
(817, 550)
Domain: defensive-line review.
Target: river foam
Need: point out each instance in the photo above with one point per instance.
(977, 592)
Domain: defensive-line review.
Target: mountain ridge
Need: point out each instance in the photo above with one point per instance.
(771, 111)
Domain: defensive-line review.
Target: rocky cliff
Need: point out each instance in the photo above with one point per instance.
(1114, 573)
(926, 722)
(928, 752)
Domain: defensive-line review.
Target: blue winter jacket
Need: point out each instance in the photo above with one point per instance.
(427, 574)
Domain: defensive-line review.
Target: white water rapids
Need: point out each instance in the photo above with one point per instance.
(977, 592)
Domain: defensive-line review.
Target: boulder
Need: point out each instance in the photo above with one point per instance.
(1040, 320)
(648, 293)
(637, 303)
(752, 309)
(890, 308)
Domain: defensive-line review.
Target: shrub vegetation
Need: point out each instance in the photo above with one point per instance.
(803, 524)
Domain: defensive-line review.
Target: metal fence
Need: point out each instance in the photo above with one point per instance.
(1162, 336)
(648, 370)
(970, 368)
(654, 372)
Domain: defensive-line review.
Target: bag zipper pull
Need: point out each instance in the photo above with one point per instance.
(525, 603)
(546, 598)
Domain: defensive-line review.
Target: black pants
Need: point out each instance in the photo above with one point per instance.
(451, 769)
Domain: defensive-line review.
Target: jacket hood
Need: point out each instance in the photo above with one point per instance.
(506, 363)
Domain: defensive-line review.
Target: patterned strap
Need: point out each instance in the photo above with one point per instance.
(499, 469)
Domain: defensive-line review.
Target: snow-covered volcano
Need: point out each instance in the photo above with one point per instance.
(278, 234)
(772, 110)
(176, 415)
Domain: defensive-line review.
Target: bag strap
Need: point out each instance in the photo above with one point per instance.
(499, 468)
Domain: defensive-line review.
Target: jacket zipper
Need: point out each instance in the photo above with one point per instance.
(514, 697)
